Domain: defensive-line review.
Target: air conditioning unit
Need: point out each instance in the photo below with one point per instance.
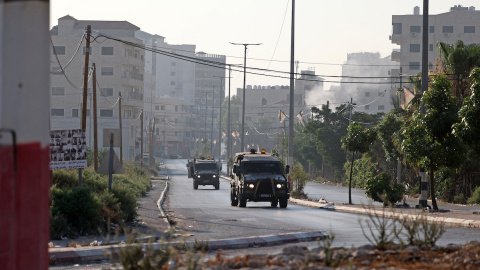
(446, 34)
(414, 34)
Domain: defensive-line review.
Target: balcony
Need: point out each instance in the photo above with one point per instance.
(396, 38)
(396, 56)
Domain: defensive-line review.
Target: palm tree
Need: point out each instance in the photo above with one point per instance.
(458, 60)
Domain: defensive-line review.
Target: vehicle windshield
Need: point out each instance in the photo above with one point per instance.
(261, 167)
(206, 166)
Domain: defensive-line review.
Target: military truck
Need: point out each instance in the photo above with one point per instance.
(259, 177)
(204, 172)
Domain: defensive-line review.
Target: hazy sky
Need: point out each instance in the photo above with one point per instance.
(325, 30)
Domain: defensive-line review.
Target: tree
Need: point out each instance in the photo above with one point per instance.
(299, 178)
(357, 140)
(458, 60)
(427, 139)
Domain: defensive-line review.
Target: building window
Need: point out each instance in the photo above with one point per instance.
(107, 50)
(58, 91)
(162, 107)
(107, 71)
(414, 47)
(176, 108)
(432, 29)
(367, 94)
(74, 112)
(57, 112)
(430, 47)
(414, 65)
(469, 29)
(106, 92)
(264, 101)
(447, 29)
(367, 107)
(415, 29)
(397, 28)
(381, 107)
(106, 113)
(90, 50)
(59, 50)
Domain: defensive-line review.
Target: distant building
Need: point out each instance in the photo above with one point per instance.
(460, 23)
(120, 69)
(262, 105)
(374, 93)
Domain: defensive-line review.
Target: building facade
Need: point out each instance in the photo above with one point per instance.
(119, 72)
(460, 23)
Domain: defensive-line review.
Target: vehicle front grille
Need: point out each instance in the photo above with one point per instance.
(265, 187)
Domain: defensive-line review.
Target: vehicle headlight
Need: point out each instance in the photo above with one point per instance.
(251, 185)
(198, 176)
(279, 186)
(215, 176)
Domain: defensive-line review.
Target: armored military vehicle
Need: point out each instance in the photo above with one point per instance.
(259, 177)
(204, 172)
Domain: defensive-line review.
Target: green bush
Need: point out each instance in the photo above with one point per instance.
(59, 226)
(380, 189)
(78, 206)
(475, 198)
(65, 178)
(127, 200)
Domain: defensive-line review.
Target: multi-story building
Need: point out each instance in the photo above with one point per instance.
(173, 130)
(367, 82)
(262, 105)
(460, 23)
(120, 71)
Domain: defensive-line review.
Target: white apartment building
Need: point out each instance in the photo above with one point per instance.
(460, 23)
(374, 93)
(120, 70)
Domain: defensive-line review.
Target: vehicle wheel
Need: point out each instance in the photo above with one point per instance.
(233, 198)
(195, 185)
(274, 203)
(242, 201)
(283, 203)
(217, 186)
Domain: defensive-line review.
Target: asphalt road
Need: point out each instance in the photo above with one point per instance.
(206, 213)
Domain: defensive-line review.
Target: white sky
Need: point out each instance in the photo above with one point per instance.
(325, 30)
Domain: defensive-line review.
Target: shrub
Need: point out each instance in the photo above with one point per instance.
(65, 178)
(299, 177)
(78, 206)
(127, 200)
(58, 226)
(363, 169)
(475, 198)
(379, 189)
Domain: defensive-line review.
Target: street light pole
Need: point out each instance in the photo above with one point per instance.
(292, 89)
(244, 81)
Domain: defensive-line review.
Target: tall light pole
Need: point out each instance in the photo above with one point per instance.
(244, 80)
(422, 199)
(292, 89)
(211, 130)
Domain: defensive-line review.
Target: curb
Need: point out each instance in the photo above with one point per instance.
(453, 222)
(96, 254)
(160, 201)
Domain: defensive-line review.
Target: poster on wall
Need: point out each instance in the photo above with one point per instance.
(68, 149)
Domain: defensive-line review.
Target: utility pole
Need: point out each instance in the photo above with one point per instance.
(292, 89)
(120, 124)
(141, 139)
(85, 92)
(85, 79)
(211, 130)
(205, 125)
(422, 199)
(95, 138)
(242, 138)
(220, 119)
(152, 146)
(229, 146)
